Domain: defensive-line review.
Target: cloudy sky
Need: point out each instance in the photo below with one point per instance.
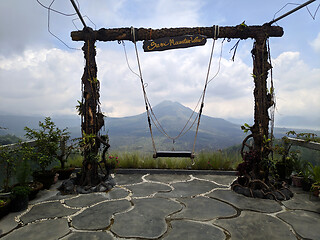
(40, 75)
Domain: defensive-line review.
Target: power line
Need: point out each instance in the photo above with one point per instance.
(49, 10)
(292, 11)
(56, 11)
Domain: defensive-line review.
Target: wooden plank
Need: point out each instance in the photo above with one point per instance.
(167, 43)
(303, 143)
(14, 146)
(118, 34)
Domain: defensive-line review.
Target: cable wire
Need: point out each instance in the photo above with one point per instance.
(56, 11)
(49, 10)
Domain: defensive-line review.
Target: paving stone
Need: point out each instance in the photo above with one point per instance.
(188, 189)
(117, 193)
(49, 230)
(47, 195)
(125, 179)
(306, 224)
(168, 178)
(89, 235)
(220, 179)
(303, 201)
(146, 219)
(252, 225)
(246, 203)
(193, 230)
(47, 210)
(99, 216)
(202, 208)
(8, 223)
(84, 200)
(146, 189)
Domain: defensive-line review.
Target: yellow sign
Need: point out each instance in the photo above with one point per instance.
(167, 43)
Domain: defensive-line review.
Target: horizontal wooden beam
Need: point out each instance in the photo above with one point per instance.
(303, 143)
(117, 34)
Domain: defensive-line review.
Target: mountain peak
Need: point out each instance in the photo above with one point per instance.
(169, 103)
(171, 108)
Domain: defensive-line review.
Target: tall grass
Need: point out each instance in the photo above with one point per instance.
(203, 161)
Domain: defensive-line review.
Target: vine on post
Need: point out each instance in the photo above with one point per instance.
(91, 116)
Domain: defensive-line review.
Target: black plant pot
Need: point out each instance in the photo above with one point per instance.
(64, 173)
(306, 185)
(281, 170)
(19, 203)
(46, 178)
(5, 208)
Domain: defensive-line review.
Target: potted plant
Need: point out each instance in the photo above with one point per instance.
(47, 139)
(300, 172)
(285, 165)
(315, 176)
(24, 156)
(5, 205)
(111, 164)
(19, 198)
(7, 164)
(64, 152)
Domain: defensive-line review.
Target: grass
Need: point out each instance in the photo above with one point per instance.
(203, 161)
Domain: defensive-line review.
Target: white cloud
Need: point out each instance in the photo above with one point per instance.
(47, 82)
(40, 82)
(316, 43)
(297, 86)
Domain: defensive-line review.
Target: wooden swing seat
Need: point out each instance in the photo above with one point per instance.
(181, 154)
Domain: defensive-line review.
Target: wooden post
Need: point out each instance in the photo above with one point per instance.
(91, 116)
(260, 129)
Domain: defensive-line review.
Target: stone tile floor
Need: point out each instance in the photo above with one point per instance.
(164, 206)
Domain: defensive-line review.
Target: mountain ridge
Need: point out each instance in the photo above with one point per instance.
(132, 133)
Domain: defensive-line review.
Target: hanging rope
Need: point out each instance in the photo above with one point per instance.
(151, 115)
(273, 98)
(216, 33)
(133, 34)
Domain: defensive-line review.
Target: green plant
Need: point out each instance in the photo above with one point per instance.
(47, 140)
(7, 166)
(2, 202)
(20, 191)
(305, 136)
(315, 174)
(288, 162)
(65, 149)
(24, 156)
(112, 160)
(246, 128)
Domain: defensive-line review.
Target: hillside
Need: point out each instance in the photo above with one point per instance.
(132, 133)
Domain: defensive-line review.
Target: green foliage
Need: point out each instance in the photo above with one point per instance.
(8, 166)
(87, 142)
(314, 173)
(24, 156)
(20, 191)
(79, 108)
(284, 160)
(246, 128)
(3, 201)
(47, 138)
(305, 136)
